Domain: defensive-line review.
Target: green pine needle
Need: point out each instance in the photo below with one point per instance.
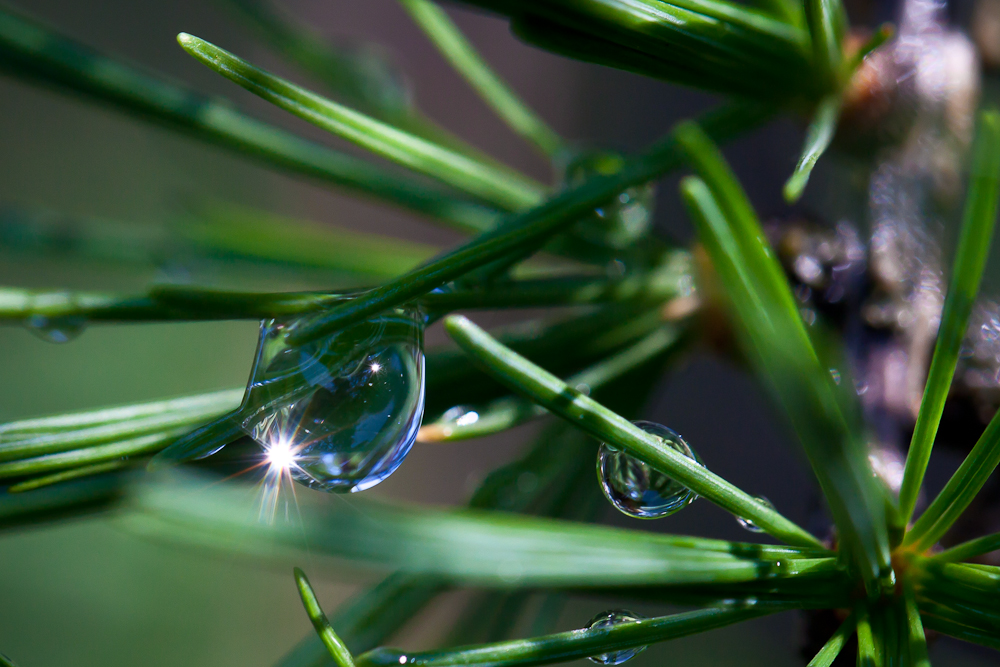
(777, 344)
(40, 55)
(967, 271)
(494, 549)
(868, 650)
(917, 644)
(970, 549)
(463, 57)
(960, 490)
(506, 413)
(497, 186)
(709, 44)
(818, 138)
(569, 403)
(827, 26)
(71, 474)
(529, 229)
(338, 651)
(574, 644)
(832, 648)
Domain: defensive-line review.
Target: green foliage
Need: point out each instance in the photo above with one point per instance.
(776, 342)
(970, 260)
(32, 52)
(613, 339)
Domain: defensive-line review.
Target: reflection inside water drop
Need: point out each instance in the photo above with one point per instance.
(56, 329)
(608, 619)
(750, 525)
(342, 412)
(636, 488)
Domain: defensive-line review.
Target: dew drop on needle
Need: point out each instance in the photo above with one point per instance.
(750, 525)
(609, 619)
(636, 488)
(342, 411)
(56, 329)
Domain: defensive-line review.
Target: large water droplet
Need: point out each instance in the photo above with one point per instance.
(342, 412)
(56, 329)
(750, 525)
(609, 619)
(636, 488)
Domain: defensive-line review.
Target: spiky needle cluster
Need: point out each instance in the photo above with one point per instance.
(879, 569)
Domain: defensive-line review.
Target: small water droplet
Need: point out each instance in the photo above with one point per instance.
(860, 387)
(457, 416)
(402, 659)
(835, 374)
(623, 220)
(608, 619)
(346, 407)
(616, 268)
(56, 329)
(750, 525)
(636, 488)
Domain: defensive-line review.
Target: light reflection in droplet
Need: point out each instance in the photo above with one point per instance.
(340, 413)
(637, 489)
(467, 419)
(280, 460)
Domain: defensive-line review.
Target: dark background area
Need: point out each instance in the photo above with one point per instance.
(88, 593)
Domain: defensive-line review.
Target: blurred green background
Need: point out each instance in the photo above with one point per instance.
(86, 592)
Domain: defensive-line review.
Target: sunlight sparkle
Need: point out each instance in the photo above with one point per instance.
(280, 456)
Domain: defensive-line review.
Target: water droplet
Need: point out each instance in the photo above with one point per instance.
(636, 488)
(346, 407)
(452, 418)
(750, 525)
(860, 387)
(835, 374)
(609, 619)
(623, 220)
(56, 329)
